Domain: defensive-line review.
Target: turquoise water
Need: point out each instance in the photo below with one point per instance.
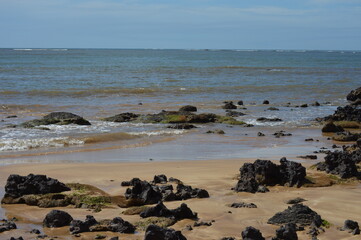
(97, 83)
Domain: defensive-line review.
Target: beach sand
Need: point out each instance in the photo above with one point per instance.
(335, 203)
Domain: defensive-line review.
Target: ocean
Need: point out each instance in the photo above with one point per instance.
(97, 83)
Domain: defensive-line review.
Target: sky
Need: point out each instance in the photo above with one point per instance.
(181, 24)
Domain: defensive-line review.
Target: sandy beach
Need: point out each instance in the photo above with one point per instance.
(335, 203)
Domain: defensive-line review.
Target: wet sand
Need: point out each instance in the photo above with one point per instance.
(335, 204)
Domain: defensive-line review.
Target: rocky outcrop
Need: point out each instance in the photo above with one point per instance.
(7, 226)
(330, 127)
(17, 186)
(265, 172)
(123, 117)
(188, 108)
(347, 113)
(351, 227)
(154, 232)
(57, 218)
(60, 118)
(346, 136)
(286, 232)
(251, 233)
(297, 214)
(354, 95)
(160, 210)
(341, 163)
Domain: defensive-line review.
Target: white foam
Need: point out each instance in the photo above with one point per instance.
(157, 133)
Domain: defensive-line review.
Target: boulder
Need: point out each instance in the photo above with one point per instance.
(77, 226)
(351, 226)
(292, 173)
(266, 102)
(286, 232)
(17, 186)
(331, 127)
(229, 105)
(354, 95)
(251, 233)
(121, 226)
(297, 214)
(154, 232)
(340, 163)
(160, 210)
(60, 118)
(57, 218)
(144, 193)
(188, 108)
(7, 226)
(123, 117)
(240, 102)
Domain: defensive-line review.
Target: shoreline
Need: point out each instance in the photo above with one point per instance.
(335, 204)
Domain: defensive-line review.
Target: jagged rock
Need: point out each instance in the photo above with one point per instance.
(17, 186)
(130, 183)
(185, 192)
(297, 214)
(286, 232)
(229, 105)
(60, 118)
(346, 136)
(354, 95)
(123, 117)
(295, 200)
(160, 179)
(264, 119)
(121, 226)
(251, 233)
(252, 175)
(77, 226)
(351, 226)
(340, 163)
(153, 232)
(188, 108)
(144, 193)
(184, 126)
(160, 210)
(57, 218)
(347, 113)
(243, 205)
(7, 226)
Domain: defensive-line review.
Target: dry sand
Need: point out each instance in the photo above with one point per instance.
(335, 204)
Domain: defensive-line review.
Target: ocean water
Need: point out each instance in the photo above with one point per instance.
(97, 83)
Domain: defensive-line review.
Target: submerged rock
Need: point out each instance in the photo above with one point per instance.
(264, 119)
(297, 214)
(154, 232)
(60, 118)
(185, 126)
(57, 218)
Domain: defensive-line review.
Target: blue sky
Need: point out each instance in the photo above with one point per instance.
(198, 24)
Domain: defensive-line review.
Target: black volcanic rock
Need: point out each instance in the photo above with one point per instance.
(7, 226)
(188, 108)
(144, 193)
(351, 226)
(154, 232)
(297, 214)
(331, 127)
(123, 117)
(229, 105)
(286, 232)
(354, 95)
(57, 218)
(60, 118)
(347, 113)
(160, 210)
(251, 233)
(77, 226)
(17, 186)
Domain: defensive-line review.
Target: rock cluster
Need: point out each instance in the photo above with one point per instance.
(143, 192)
(265, 172)
(341, 163)
(297, 214)
(154, 232)
(60, 118)
(17, 186)
(160, 210)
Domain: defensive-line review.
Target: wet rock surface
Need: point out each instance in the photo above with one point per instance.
(57, 218)
(17, 186)
(297, 214)
(354, 95)
(264, 119)
(188, 108)
(251, 233)
(154, 232)
(347, 113)
(123, 117)
(60, 118)
(265, 172)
